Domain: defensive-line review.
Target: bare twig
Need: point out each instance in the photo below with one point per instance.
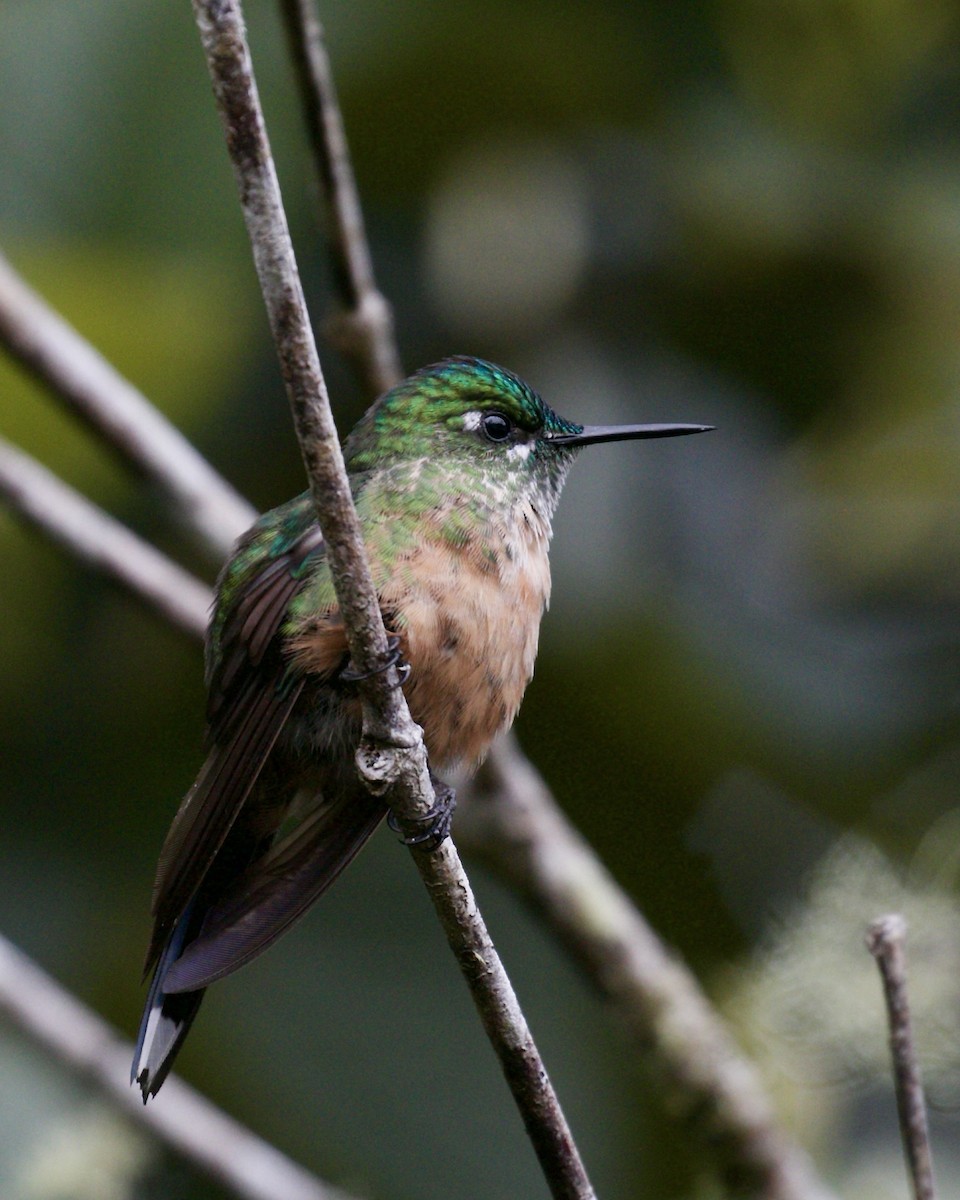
(885, 941)
(59, 357)
(102, 542)
(363, 329)
(513, 822)
(250, 1167)
(392, 758)
(228, 58)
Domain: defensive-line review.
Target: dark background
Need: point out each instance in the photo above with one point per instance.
(742, 212)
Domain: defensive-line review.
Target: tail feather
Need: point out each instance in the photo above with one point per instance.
(166, 1020)
(225, 926)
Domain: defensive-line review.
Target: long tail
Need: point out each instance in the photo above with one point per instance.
(217, 934)
(166, 1019)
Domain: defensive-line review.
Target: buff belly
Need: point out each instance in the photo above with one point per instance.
(469, 629)
(468, 619)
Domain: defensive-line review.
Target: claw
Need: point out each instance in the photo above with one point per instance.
(433, 828)
(394, 659)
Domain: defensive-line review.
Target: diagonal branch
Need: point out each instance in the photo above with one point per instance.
(52, 351)
(83, 529)
(514, 824)
(392, 758)
(363, 329)
(190, 1125)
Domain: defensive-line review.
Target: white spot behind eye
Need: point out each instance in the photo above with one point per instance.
(471, 421)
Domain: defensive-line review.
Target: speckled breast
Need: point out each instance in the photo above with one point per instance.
(469, 621)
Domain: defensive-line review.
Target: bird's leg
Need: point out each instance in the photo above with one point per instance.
(428, 831)
(394, 658)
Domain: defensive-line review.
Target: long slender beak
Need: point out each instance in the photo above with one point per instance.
(589, 434)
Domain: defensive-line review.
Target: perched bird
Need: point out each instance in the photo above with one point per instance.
(455, 475)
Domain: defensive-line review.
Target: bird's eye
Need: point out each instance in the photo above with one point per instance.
(496, 427)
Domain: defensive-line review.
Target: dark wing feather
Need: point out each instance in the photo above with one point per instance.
(277, 889)
(213, 803)
(252, 692)
(253, 601)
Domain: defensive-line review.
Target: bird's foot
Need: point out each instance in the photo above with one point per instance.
(428, 831)
(394, 658)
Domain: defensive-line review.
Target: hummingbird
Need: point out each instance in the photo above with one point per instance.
(455, 474)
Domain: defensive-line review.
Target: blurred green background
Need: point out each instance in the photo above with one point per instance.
(742, 212)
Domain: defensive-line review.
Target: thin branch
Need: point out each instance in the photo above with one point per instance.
(885, 941)
(363, 329)
(391, 759)
(192, 1127)
(83, 529)
(513, 822)
(53, 351)
(228, 58)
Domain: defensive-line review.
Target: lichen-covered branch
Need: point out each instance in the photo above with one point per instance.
(228, 58)
(52, 351)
